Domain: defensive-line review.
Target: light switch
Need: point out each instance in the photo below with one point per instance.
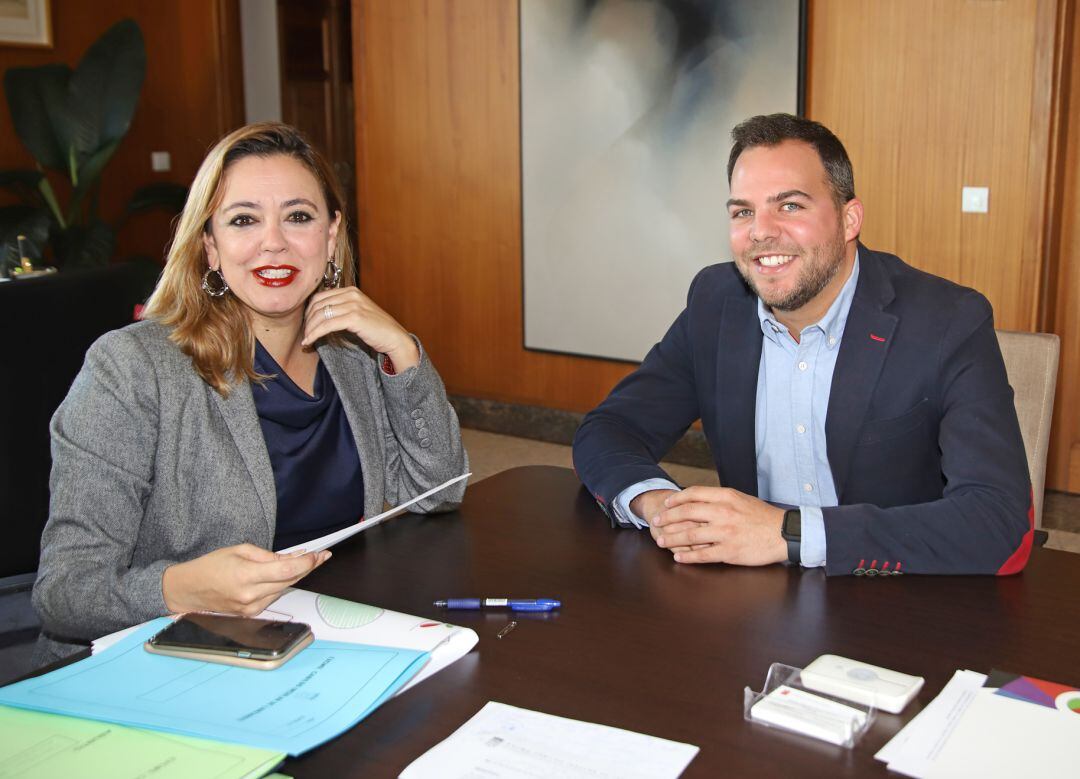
(160, 161)
(975, 200)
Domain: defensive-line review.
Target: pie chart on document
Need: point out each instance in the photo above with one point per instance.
(345, 614)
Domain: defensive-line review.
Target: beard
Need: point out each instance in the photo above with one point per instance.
(820, 266)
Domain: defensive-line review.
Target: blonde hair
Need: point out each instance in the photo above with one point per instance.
(216, 332)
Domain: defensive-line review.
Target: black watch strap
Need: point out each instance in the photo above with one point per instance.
(791, 530)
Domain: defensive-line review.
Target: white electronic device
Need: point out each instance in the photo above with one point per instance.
(862, 683)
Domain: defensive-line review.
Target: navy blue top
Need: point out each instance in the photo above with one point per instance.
(320, 487)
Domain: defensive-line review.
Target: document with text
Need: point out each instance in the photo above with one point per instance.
(506, 742)
(327, 541)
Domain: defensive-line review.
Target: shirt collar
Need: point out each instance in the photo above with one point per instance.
(832, 324)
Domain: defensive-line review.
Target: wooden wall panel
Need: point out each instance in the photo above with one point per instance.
(1063, 466)
(929, 96)
(191, 96)
(440, 196)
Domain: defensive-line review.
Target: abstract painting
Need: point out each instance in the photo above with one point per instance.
(626, 112)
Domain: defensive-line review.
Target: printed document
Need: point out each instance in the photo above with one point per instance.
(505, 742)
(976, 730)
(336, 619)
(327, 541)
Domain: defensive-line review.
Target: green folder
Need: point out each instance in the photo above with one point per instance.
(35, 745)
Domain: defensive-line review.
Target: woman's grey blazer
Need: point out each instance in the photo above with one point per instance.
(151, 467)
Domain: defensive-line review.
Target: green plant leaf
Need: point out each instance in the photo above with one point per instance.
(46, 190)
(88, 176)
(23, 183)
(104, 89)
(37, 100)
(82, 246)
(164, 194)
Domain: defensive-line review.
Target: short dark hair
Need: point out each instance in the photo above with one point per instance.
(774, 129)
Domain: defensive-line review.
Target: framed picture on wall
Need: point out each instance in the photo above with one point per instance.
(25, 23)
(627, 108)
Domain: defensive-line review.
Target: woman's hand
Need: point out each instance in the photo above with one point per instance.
(242, 579)
(349, 309)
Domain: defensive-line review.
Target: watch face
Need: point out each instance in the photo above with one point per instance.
(792, 527)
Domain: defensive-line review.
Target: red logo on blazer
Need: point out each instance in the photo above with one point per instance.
(877, 338)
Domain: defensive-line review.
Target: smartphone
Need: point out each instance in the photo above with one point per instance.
(244, 641)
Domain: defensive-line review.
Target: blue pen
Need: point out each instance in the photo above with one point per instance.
(513, 604)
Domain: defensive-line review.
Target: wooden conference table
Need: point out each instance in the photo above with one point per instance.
(648, 645)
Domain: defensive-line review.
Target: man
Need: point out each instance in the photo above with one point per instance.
(857, 409)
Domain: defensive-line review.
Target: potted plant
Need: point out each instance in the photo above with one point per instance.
(72, 121)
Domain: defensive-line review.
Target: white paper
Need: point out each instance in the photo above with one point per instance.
(1004, 738)
(334, 619)
(912, 750)
(505, 742)
(327, 541)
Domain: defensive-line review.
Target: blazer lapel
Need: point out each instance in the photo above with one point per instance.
(348, 374)
(242, 419)
(737, 360)
(866, 341)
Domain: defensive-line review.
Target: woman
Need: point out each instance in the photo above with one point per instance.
(263, 401)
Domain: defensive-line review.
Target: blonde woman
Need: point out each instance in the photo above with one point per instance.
(263, 401)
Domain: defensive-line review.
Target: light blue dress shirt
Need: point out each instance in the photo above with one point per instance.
(793, 388)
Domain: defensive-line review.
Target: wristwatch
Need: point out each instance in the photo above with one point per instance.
(791, 531)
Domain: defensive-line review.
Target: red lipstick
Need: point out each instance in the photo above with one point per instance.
(275, 275)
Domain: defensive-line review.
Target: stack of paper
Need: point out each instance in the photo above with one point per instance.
(999, 726)
(505, 741)
(334, 619)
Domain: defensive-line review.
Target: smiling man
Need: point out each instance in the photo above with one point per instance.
(857, 409)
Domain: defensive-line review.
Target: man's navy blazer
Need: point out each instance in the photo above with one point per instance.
(921, 432)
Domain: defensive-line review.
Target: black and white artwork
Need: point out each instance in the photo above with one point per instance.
(626, 113)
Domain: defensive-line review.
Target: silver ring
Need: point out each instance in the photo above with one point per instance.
(328, 312)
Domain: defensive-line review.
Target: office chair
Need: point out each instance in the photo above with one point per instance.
(1031, 361)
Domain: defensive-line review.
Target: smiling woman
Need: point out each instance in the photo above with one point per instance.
(265, 401)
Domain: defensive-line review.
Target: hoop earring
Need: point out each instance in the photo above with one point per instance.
(214, 291)
(332, 275)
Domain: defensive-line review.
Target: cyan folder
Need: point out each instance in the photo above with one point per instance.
(322, 692)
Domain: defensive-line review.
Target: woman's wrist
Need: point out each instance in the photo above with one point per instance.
(172, 589)
(404, 356)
